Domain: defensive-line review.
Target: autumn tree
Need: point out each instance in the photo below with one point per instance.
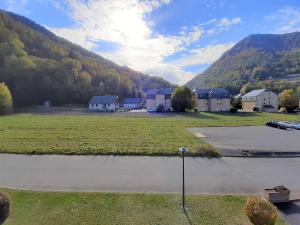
(182, 99)
(288, 99)
(6, 102)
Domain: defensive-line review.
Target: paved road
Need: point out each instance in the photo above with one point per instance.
(291, 212)
(147, 174)
(251, 138)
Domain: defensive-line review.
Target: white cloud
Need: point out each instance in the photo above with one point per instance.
(287, 19)
(226, 22)
(205, 55)
(17, 6)
(127, 23)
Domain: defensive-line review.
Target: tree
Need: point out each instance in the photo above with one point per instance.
(6, 102)
(260, 211)
(182, 99)
(298, 91)
(288, 99)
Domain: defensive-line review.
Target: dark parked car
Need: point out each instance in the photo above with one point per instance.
(276, 124)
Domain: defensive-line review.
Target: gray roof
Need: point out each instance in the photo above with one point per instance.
(212, 93)
(106, 99)
(132, 101)
(254, 93)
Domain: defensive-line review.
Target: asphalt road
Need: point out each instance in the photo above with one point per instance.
(147, 174)
(251, 138)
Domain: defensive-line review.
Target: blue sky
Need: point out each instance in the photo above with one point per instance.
(174, 39)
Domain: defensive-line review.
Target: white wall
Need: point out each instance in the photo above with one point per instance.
(268, 98)
(131, 106)
(101, 107)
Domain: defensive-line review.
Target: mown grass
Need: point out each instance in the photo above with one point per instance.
(117, 135)
(36, 208)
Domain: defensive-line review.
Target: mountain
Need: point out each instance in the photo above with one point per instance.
(261, 60)
(37, 66)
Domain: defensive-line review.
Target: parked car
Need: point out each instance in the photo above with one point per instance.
(272, 124)
(296, 126)
(286, 124)
(275, 124)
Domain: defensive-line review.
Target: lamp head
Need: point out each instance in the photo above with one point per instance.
(183, 150)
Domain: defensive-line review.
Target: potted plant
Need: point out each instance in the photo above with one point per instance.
(277, 194)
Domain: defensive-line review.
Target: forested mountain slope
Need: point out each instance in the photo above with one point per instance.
(37, 66)
(258, 59)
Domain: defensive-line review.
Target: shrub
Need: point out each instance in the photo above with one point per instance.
(4, 207)
(233, 110)
(160, 108)
(260, 211)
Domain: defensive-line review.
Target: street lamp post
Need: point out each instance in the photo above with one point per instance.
(183, 150)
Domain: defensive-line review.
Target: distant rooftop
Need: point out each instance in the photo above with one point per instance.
(105, 99)
(132, 101)
(254, 93)
(212, 93)
(151, 93)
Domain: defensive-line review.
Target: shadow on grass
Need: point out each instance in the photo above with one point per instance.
(214, 115)
(188, 217)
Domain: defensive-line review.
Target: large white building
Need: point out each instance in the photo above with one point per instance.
(159, 98)
(104, 103)
(260, 100)
(212, 100)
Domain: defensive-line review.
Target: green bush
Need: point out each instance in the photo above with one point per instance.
(4, 207)
(260, 211)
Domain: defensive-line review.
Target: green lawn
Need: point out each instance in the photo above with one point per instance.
(46, 208)
(120, 135)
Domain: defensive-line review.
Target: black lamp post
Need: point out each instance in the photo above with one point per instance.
(183, 150)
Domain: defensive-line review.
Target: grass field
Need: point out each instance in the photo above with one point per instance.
(119, 135)
(36, 208)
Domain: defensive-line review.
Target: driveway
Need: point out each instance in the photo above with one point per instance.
(147, 174)
(259, 139)
(291, 212)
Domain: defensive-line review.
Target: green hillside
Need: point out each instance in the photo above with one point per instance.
(39, 66)
(261, 59)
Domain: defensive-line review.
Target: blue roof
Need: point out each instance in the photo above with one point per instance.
(132, 101)
(254, 93)
(151, 93)
(105, 99)
(212, 93)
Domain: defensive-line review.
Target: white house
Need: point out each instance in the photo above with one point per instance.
(132, 103)
(104, 103)
(212, 100)
(159, 97)
(260, 100)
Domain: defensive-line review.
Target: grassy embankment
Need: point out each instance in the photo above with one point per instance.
(117, 135)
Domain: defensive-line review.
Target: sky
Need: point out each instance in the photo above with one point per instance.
(173, 39)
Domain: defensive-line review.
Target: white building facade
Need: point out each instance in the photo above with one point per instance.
(159, 98)
(104, 103)
(260, 100)
(212, 100)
